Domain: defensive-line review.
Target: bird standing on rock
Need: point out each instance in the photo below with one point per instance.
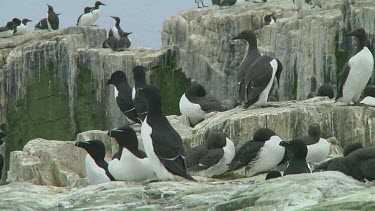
(21, 26)
(8, 30)
(200, 1)
(87, 18)
(52, 19)
(297, 164)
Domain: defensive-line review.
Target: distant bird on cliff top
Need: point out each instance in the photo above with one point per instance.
(269, 19)
(21, 26)
(227, 2)
(8, 30)
(211, 158)
(87, 18)
(256, 73)
(129, 163)
(200, 1)
(52, 19)
(368, 97)
(123, 94)
(261, 154)
(120, 34)
(162, 143)
(140, 102)
(326, 90)
(195, 103)
(357, 71)
(96, 11)
(96, 166)
(297, 164)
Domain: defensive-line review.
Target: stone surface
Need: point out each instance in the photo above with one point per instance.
(312, 49)
(318, 191)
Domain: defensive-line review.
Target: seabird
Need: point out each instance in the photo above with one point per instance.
(123, 94)
(297, 164)
(111, 41)
(140, 102)
(52, 19)
(258, 155)
(326, 90)
(227, 2)
(86, 19)
(129, 163)
(21, 26)
(8, 30)
(357, 71)
(200, 1)
(118, 32)
(195, 103)
(96, 166)
(211, 158)
(162, 143)
(269, 19)
(347, 150)
(318, 147)
(273, 174)
(368, 96)
(96, 11)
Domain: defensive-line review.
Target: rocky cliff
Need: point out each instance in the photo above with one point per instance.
(312, 49)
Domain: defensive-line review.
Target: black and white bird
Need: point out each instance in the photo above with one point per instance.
(96, 166)
(368, 97)
(326, 90)
(297, 164)
(211, 158)
(52, 19)
(96, 11)
(162, 143)
(8, 30)
(21, 26)
(357, 71)
(118, 32)
(317, 146)
(269, 19)
(129, 163)
(123, 95)
(87, 18)
(195, 103)
(256, 73)
(258, 155)
(200, 1)
(140, 102)
(273, 174)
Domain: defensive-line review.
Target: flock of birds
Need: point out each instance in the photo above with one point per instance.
(165, 158)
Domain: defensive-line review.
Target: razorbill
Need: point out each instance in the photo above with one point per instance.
(273, 174)
(326, 90)
(130, 163)
(96, 166)
(211, 158)
(162, 143)
(227, 2)
(8, 30)
(200, 1)
(96, 11)
(195, 103)
(86, 19)
(52, 19)
(269, 19)
(140, 102)
(123, 94)
(256, 73)
(297, 164)
(318, 147)
(42, 24)
(359, 164)
(347, 150)
(368, 97)
(21, 26)
(258, 155)
(357, 71)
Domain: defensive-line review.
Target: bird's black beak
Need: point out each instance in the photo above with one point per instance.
(113, 132)
(82, 144)
(102, 4)
(113, 17)
(29, 20)
(284, 143)
(237, 37)
(109, 82)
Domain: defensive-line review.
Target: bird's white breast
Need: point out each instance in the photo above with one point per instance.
(95, 174)
(21, 29)
(319, 151)
(263, 97)
(86, 19)
(191, 110)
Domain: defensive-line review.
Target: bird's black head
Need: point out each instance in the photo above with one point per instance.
(87, 10)
(296, 146)
(139, 73)
(360, 34)
(153, 97)
(263, 135)
(314, 130)
(351, 148)
(95, 148)
(267, 17)
(50, 8)
(98, 3)
(248, 35)
(216, 140)
(25, 21)
(17, 21)
(196, 90)
(125, 137)
(117, 78)
(326, 90)
(273, 174)
(10, 25)
(369, 91)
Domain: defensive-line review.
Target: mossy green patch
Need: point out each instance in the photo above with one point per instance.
(172, 83)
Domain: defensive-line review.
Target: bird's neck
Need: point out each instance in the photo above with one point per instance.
(122, 87)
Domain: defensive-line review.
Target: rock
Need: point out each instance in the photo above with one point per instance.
(325, 190)
(312, 50)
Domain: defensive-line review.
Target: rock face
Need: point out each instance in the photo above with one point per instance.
(312, 49)
(318, 191)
